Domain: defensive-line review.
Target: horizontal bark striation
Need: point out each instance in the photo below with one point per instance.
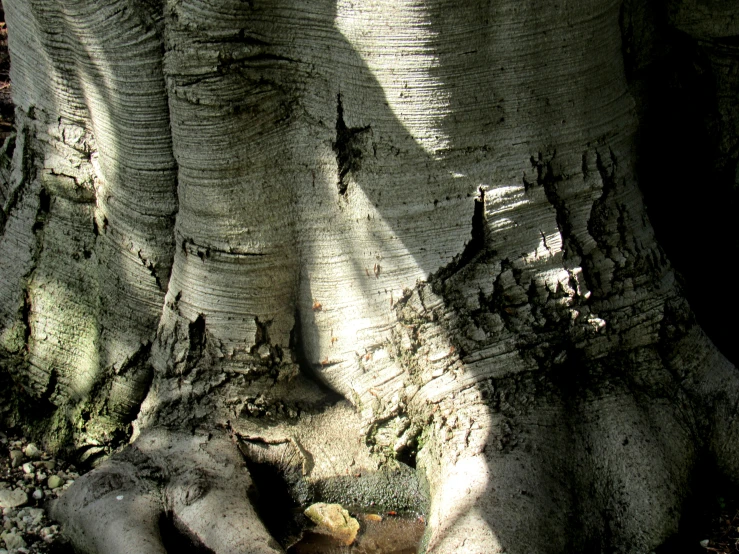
(98, 153)
(431, 209)
(236, 261)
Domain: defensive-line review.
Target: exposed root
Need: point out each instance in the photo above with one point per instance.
(198, 480)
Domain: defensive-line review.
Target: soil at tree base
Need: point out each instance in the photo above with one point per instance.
(27, 471)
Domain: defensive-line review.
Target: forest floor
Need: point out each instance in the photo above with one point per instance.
(29, 479)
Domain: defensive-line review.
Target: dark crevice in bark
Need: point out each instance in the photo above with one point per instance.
(347, 147)
(139, 374)
(28, 174)
(474, 250)
(228, 63)
(6, 161)
(549, 180)
(51, 386)
(197, 338)
(189, 247)
(26, 310)
(261, 335)
(545, 174)
(607, 174)
(42, 214)
(239, 38)
(408, 451)
(601, 215)
(44, 205)
(149, 265)
(584, 166)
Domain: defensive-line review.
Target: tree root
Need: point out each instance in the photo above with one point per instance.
(198, 480)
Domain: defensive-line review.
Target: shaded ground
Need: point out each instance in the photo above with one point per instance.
(29, 479)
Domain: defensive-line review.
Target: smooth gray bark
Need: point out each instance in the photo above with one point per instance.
(430, 208)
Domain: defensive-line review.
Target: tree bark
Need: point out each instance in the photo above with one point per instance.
(338, 236)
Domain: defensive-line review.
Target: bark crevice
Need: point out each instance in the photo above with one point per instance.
(347, 147)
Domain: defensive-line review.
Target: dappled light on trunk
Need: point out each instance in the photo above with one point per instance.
(391, 256)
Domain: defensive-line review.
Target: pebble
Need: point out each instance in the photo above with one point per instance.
(12, 498)
(55, 481)
(32, 450)
(25, 478)
(16, 457)
(13, 540)
(335, 520)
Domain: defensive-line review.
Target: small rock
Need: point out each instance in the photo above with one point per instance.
(32, 450)
(33, 516)
(55, 482)
(48, 464)
(47, 533)
(16, 458)
(38, 494)
(334, 520)
(13, 540)
(28, 467)
(263, 352)
(12, 499)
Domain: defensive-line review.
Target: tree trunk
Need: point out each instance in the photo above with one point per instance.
(341, 237)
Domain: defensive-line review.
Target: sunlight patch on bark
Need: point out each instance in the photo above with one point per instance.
(395, 40)
(455, 516)
(65, 338)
